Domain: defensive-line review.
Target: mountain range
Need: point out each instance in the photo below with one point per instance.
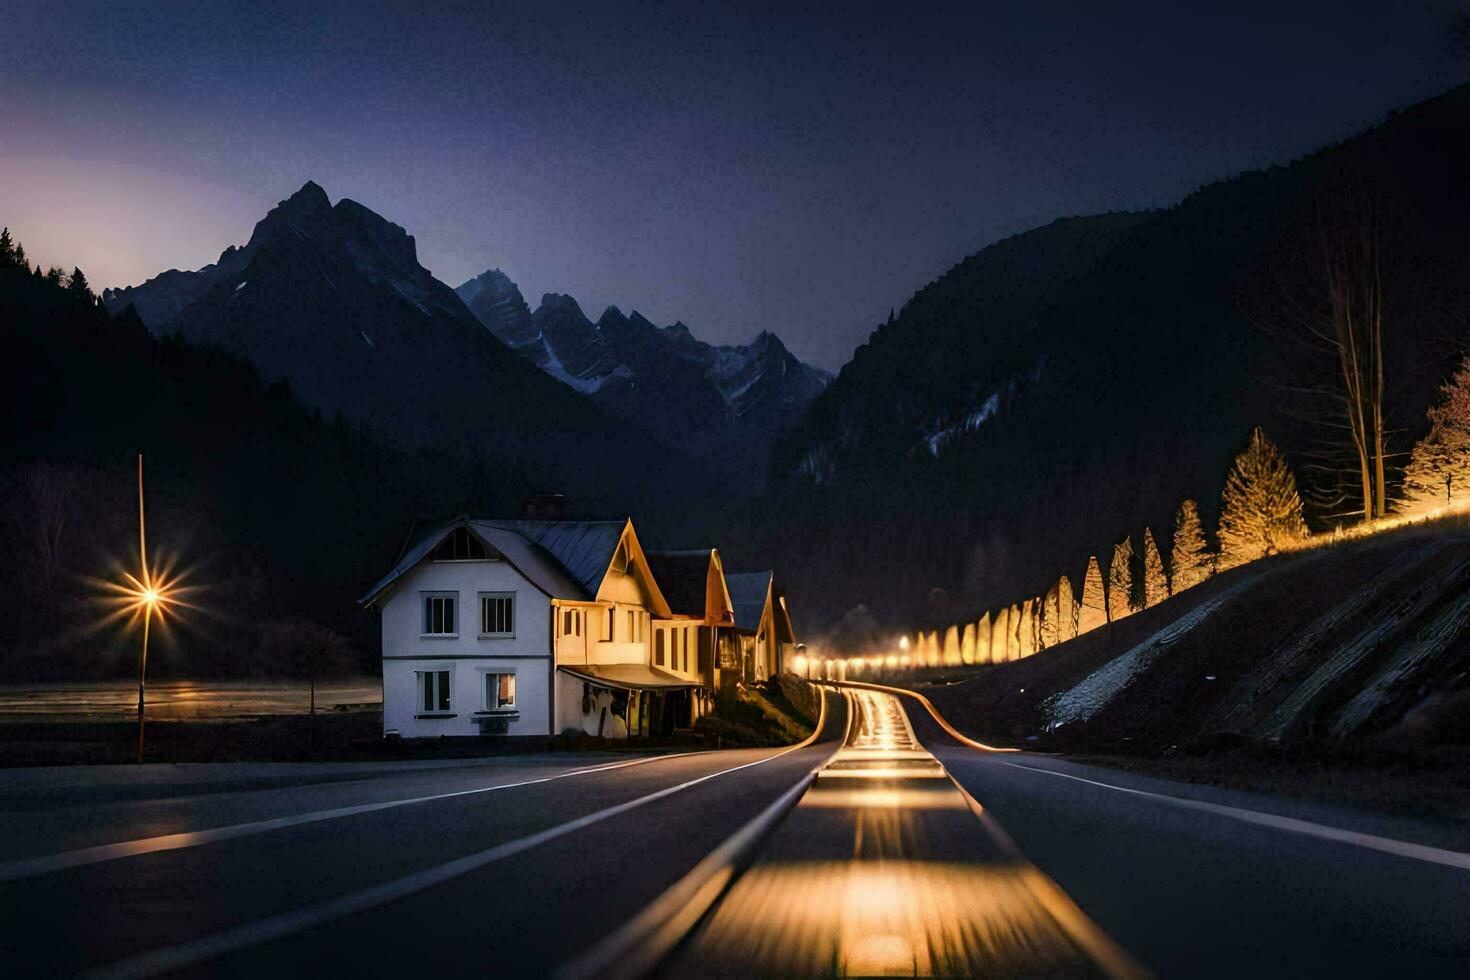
(332, 298)
(1068, 386)
(725, 404)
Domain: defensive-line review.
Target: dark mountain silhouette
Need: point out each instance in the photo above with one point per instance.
(332, 299)
(1062, 388)
(725, 404)
(283, 517)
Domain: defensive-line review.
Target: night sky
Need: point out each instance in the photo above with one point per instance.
(736, 168)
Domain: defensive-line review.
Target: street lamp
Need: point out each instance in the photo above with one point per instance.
(149, 594)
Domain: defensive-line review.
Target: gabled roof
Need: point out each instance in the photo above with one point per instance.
(583, 548)
(564, 559)
(683, 578)
(748, 591)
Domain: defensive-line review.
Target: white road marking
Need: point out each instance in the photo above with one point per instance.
(298, 920)
(45, 863)
(1387, 845)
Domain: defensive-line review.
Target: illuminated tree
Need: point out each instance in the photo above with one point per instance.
(1438, 473)
(982, 640)
(1260, 510)
(1050, 614)
(1000, 637)
(1120, 581)
(1189, 562)
(1454, 407)
(951, 653)
(1093, 612)
(1155, 584)
(1013, 633)
(1066, 610)
(967, 644)
(1026, 634)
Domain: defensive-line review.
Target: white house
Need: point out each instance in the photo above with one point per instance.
(524, 627)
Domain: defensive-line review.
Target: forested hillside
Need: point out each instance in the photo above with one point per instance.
(1068, 387)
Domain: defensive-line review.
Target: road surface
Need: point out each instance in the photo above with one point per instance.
(858, 853)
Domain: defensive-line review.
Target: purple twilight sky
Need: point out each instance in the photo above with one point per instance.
(736, 167)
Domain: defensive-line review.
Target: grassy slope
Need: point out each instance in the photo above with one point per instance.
(1284, 619)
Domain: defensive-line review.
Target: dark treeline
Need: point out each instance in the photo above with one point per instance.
(281, 517)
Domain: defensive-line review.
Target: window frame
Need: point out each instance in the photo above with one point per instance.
(485, 706)
(424, 599)
(480, 598)
(445, 695)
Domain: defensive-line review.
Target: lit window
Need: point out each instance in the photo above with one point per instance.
(497, 614)
(500, 691)
(433, 690)
(439, 614)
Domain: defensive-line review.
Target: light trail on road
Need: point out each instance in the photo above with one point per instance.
(887, 867)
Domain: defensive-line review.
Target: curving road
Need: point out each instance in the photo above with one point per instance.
(885, 845)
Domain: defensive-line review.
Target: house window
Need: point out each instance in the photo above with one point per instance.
(684, 660)
(571, 623)
(612, 619)
(500, 691)
(658, 646)
(497, 614)
(433, 691)
(439, 614)
(632, 626)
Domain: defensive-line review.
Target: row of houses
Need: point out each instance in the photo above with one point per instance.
(534, 627)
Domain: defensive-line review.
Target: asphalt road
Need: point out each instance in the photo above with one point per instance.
(513, 879)
(1018, 864)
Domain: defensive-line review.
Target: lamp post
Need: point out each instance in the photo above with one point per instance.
(149, 598)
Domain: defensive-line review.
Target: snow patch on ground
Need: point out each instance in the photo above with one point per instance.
(368, 339)
(240, 287)
(558, 370)
(1094, 691)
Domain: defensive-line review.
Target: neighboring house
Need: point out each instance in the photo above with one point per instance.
(527, 627)
(764, 622)
(693, 582)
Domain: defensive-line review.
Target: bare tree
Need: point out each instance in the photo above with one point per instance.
(1328, 299)
(42, 505)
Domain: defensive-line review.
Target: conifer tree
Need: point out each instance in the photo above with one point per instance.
(1066, 610)
(20, 257)
(1000, 637)
(77, 285)
(1120, 581)
(55, 277)
(967, 644)
(7, 249)
(1013, 633)
(1189, 562)
(1438, 473)
(1260, 510)
(982, 640)
(1025, 636)
(1093, 611)
(1051, 615)
(1155, 584)
(950, 655)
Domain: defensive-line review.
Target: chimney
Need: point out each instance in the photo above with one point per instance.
(544, 507)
